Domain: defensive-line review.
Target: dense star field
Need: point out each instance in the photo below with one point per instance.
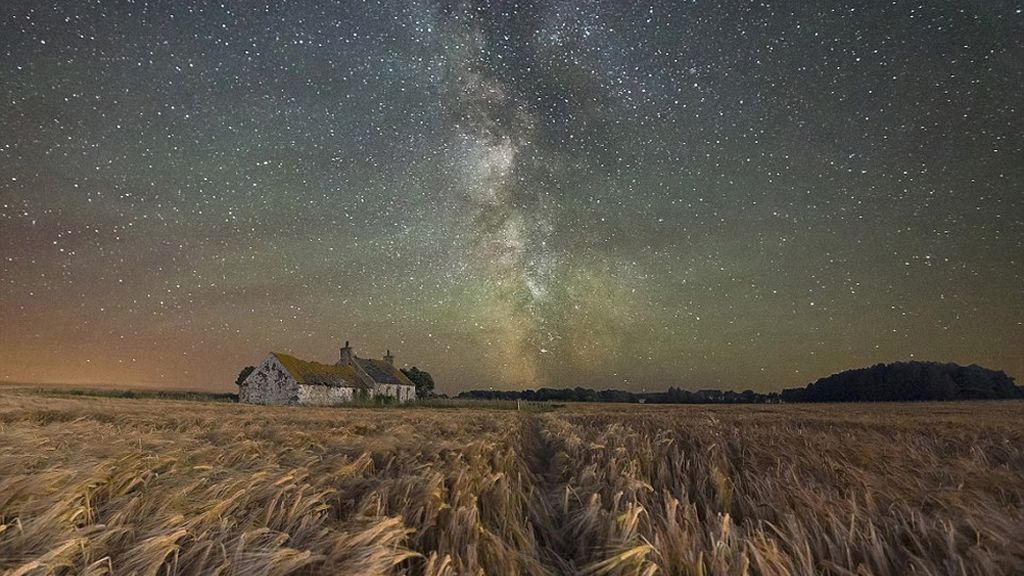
(510, 194)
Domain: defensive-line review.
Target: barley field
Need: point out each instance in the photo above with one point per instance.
(152, 487)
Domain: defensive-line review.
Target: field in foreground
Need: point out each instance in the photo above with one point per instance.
(118, 486)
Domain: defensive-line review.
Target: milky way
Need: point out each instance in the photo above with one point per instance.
(510, 194)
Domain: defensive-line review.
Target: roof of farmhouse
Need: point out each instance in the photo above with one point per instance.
(383, 372)
(345, 373)
(317, 374)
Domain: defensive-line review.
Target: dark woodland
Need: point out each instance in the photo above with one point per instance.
(896, 382)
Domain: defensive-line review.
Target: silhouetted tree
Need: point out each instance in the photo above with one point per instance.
(244, 374)
(423, 380)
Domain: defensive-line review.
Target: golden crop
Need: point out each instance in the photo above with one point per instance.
(116, 486)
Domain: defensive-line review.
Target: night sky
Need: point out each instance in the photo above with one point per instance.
(576, 193)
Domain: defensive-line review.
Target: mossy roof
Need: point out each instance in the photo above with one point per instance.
(383, 372)
(316, 374)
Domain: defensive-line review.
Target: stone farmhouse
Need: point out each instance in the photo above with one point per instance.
(284, 379)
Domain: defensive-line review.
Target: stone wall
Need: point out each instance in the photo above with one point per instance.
(406, 393)
(324, 395)
(270, 383)
(401, 392)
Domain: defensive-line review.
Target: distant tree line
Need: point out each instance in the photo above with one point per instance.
(908, 381)
(671, 396)
(900, 381)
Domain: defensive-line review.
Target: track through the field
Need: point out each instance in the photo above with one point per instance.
(549, 499)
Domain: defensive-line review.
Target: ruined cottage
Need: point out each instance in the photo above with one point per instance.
(284, 379)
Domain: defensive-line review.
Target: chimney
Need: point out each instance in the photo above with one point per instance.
(389, 358)
(346, 355)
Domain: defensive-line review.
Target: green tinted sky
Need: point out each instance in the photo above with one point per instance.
(510, 194)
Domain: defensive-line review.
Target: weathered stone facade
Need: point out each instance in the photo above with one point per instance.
(270, 383)
(284, 379)
(403, 393)
(324, 395)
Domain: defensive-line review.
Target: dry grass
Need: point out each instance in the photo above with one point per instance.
(98, 486)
